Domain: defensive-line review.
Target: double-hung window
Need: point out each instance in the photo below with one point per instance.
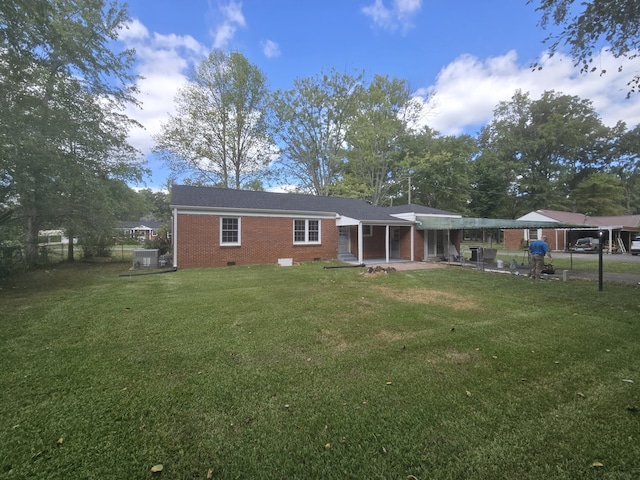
(306, 231)
(229, 231)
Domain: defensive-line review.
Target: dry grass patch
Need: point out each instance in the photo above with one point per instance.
(430, 297)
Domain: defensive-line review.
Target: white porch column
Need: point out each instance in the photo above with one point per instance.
(386, 243)
(360, 244)
(413, 230)
(174, 238)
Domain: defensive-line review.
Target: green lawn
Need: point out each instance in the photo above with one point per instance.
(311, 373)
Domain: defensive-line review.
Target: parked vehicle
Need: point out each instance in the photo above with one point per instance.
(587, 244)
(635, 246)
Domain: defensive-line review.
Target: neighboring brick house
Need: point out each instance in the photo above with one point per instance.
(217, 227)
(617, 230)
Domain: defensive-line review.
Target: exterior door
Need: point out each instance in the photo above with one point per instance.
(394, 244)
(344, 240)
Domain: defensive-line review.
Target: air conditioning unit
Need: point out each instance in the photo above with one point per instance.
(145, 258)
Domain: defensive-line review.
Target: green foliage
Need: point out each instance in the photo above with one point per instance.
(299, 373)
(440, 168)
(155, 206)
(96, 244)
(385, 111)
(161, 241)
(600, 194)
(545, 147)
(587, 26)
(219, 133)
(311, 121)
(626, 166)
(62, 129)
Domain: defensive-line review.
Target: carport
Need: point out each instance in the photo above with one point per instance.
(453, 227)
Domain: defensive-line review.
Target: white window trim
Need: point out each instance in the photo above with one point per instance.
(306, 231)
(231, 244)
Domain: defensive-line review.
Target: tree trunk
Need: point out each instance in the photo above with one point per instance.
(31, 240)
(70, 257)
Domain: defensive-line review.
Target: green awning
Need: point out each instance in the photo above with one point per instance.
(451, 223)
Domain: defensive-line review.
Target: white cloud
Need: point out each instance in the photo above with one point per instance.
(134, 30)
(232, 18)
(399, 15)
(162, 62)
(468, 89)
(270, 49)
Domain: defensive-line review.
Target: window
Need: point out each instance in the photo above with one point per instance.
(367, 230)
(306, 231)
(230, 231)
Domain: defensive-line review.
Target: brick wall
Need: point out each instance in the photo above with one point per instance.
(374, 246)
(556, 239)
(263, 240)
(513, 239)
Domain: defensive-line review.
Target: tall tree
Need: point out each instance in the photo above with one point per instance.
(311, 122)
(547, 145)
(385, 112)
(157, 205)
(439, 168)
(587, 25)
(63, 93)
(219, 132)
(599, 194)
(626, 167)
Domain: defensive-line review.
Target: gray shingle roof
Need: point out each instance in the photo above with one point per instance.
(210, 197)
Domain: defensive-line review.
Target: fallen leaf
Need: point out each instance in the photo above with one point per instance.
(157, 468)
(468, 393)
(494, 357)
(580, 394)
(327, 446)
(597, 464)
(388, 383)
(60, 440)
(627, 380)
(209, 474)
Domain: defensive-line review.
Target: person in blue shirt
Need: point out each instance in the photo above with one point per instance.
(538, 249)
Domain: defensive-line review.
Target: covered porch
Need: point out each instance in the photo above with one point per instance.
(382, 241)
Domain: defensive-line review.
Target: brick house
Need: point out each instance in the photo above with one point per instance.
(217, 227)
(567, 227)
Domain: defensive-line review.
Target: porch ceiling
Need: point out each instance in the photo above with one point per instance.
(450, 223)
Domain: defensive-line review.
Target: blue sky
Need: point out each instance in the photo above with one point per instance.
(460, 57)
